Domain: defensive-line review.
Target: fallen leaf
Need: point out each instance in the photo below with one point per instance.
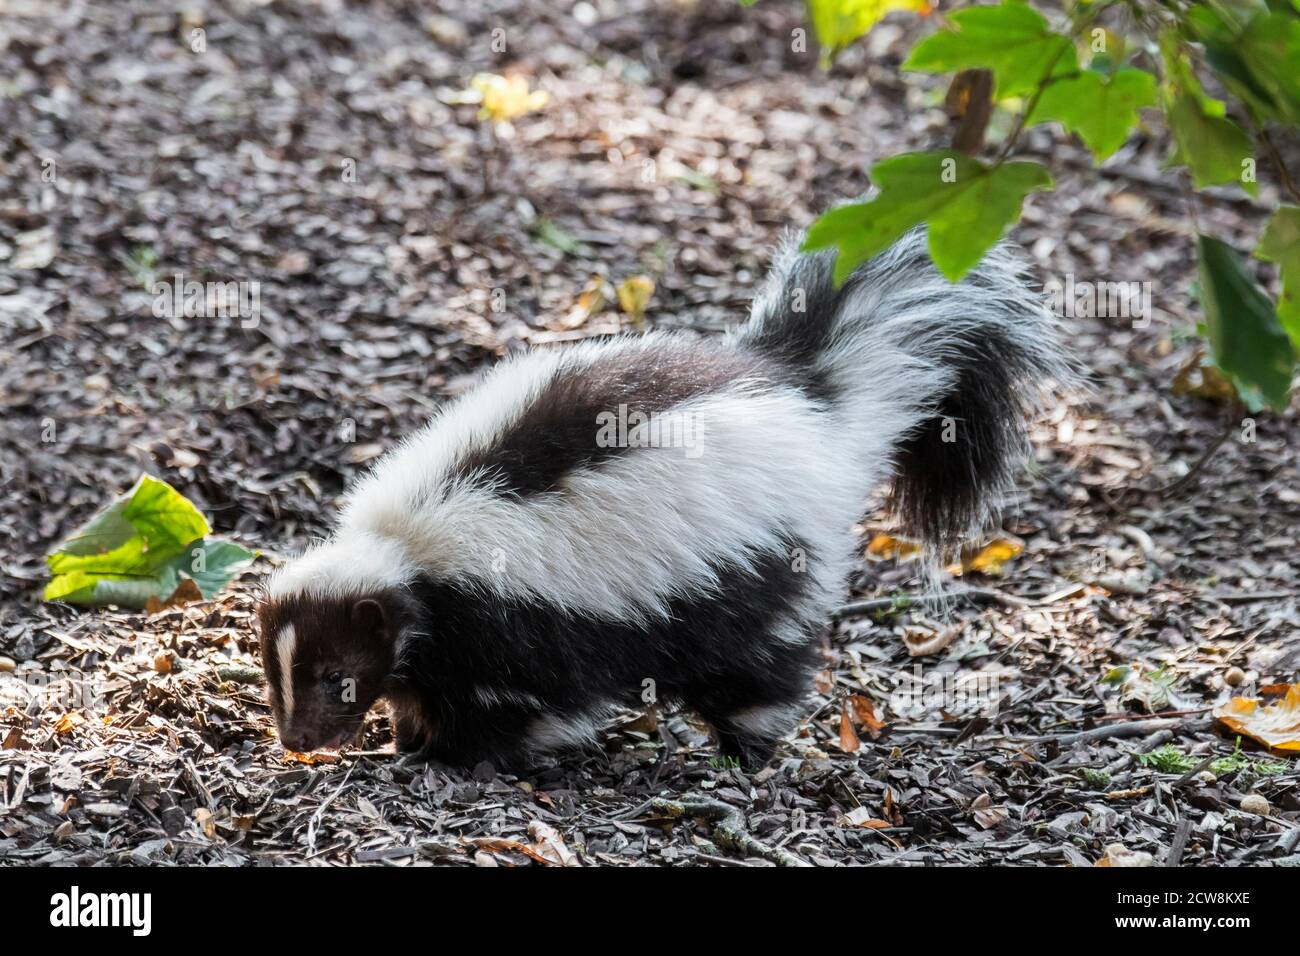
(1152, 689)
(186, 592)
(990, 558)
(885, 546)
(1204, 381)
(1275, 725)
(861, 817)
(646, 723)
(549, 844)
(925, 643)
(505, 98)
(203, 816)
(824, 681)
(590, 302)
(986, 814)
(864, 711)
(311, 759)
(634, 295)
(69, 722)
(849, 742)
(506, 845)
(1119, 855)
(35, 249)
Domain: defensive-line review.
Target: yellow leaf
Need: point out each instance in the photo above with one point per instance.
(590, 301)
(990, 558)
(505, 98)
(887, 546)
(69, 722)
(634, 295)
(1204, 381)
(1275, 725)
(839, 23)
(311, 759)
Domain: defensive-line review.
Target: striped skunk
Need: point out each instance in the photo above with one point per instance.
(659, 515)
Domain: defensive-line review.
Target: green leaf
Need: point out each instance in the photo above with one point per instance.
(553, 235)
(1270, 49)
(1281, 244)
(139, 547)
(967, 205)
(838, 23)
(150, 524)
(1012, 40)
(1213, 147)
(212, 563)
(1246, 342)
(1101, 109)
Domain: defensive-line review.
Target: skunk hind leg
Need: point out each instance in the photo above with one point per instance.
(749, 734)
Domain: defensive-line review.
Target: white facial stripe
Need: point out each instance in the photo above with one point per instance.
(284, 646)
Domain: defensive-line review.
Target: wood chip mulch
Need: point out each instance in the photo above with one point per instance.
(679, 140)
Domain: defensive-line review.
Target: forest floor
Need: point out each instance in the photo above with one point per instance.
(679, 139)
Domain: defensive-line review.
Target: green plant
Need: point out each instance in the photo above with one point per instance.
(1091, 68)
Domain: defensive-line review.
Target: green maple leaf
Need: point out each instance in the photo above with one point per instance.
(1102, 110)
(1012, 40)
(966, 204)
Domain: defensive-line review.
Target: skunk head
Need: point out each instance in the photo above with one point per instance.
(327, 659)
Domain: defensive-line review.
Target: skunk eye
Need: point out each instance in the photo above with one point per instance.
(334, 677)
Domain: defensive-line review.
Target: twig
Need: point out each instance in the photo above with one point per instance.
(1136, 728)
(1283, 172)
(1230, 425)
(728, 828)
(934, 597)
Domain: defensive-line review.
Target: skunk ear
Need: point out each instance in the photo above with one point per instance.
(370, 619)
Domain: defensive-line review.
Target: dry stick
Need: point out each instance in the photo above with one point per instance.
(728, 828)
(974, 594)
(1118, 500)
(1283, 172)
(1137, 728)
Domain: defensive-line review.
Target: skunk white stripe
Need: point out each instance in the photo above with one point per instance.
(647, 526)
(284, 645)
(345, 566)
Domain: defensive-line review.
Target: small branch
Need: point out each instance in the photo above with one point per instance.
(728, 828)
(1176, 486)
(936, 597)
(1136, 728)
(1276, 157)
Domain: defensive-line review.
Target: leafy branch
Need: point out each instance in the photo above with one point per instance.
(1094, 81)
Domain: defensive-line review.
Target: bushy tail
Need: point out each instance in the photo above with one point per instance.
(937, 377)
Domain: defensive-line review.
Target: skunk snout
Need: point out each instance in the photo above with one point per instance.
(301, 743)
